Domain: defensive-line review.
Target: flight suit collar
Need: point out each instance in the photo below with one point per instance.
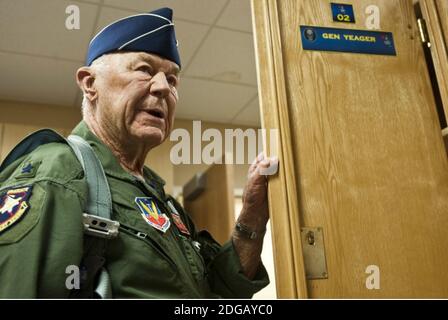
(110, 163)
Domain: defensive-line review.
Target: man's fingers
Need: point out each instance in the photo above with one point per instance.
(254, 166)
(265, 163)
(263, 166)
(268, 166)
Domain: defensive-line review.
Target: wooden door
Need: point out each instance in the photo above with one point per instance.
(213, 208)
(361, 155)
(445, 138)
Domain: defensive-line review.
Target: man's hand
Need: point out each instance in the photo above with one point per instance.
(255, 214)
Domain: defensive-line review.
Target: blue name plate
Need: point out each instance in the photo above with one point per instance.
(347, 40)
(343, 12)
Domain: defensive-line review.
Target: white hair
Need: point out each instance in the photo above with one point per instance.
(85, 106)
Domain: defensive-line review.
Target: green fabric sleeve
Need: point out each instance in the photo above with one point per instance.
(37, 249)
(229, 279)
(226, 276)
(224, 271)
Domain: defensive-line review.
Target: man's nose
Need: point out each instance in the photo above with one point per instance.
(159, 85)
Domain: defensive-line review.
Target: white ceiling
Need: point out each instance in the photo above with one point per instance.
(39, 56)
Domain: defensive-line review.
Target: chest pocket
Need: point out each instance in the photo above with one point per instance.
(154, 245)
(132, 224)
(175, 248)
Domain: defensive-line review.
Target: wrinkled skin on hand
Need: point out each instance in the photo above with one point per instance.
(255, 210)
(255, 214)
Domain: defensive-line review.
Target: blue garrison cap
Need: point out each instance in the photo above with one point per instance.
(151, 32)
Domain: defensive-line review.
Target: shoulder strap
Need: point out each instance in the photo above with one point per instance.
(99, 204)
(99, 200)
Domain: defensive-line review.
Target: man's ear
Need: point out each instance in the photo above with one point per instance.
(86, 79)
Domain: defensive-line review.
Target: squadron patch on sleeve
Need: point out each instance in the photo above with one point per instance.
(152, 214)
(13, 205)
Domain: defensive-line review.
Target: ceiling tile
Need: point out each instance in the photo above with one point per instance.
(237, 15)
(226, 55)
(204, 11)
(109, 15)
(249, 116)
(189, 34)
(37, 80)
(38, 27)
(211, 101)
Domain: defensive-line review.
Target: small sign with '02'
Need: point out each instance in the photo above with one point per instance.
(343, 12)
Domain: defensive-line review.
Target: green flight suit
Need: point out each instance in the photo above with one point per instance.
(142, 261)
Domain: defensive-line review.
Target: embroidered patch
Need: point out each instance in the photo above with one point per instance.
(13, 205)
(178, 220)
(152, 214)
(180, 224)
(28, 170)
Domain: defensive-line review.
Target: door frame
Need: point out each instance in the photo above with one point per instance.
(439, 50)
(282, 191)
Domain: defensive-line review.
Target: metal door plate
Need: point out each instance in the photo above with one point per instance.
(314, 253)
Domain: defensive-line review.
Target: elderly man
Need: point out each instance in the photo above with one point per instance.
(130, 96)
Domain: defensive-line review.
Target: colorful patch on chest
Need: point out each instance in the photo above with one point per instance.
(13, 205)
(152, 214)
(178, 220)
(180, 224)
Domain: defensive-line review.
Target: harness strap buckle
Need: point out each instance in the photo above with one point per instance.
(100, 227)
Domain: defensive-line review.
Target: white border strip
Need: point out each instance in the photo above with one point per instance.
(135, 15)
(145, 34)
